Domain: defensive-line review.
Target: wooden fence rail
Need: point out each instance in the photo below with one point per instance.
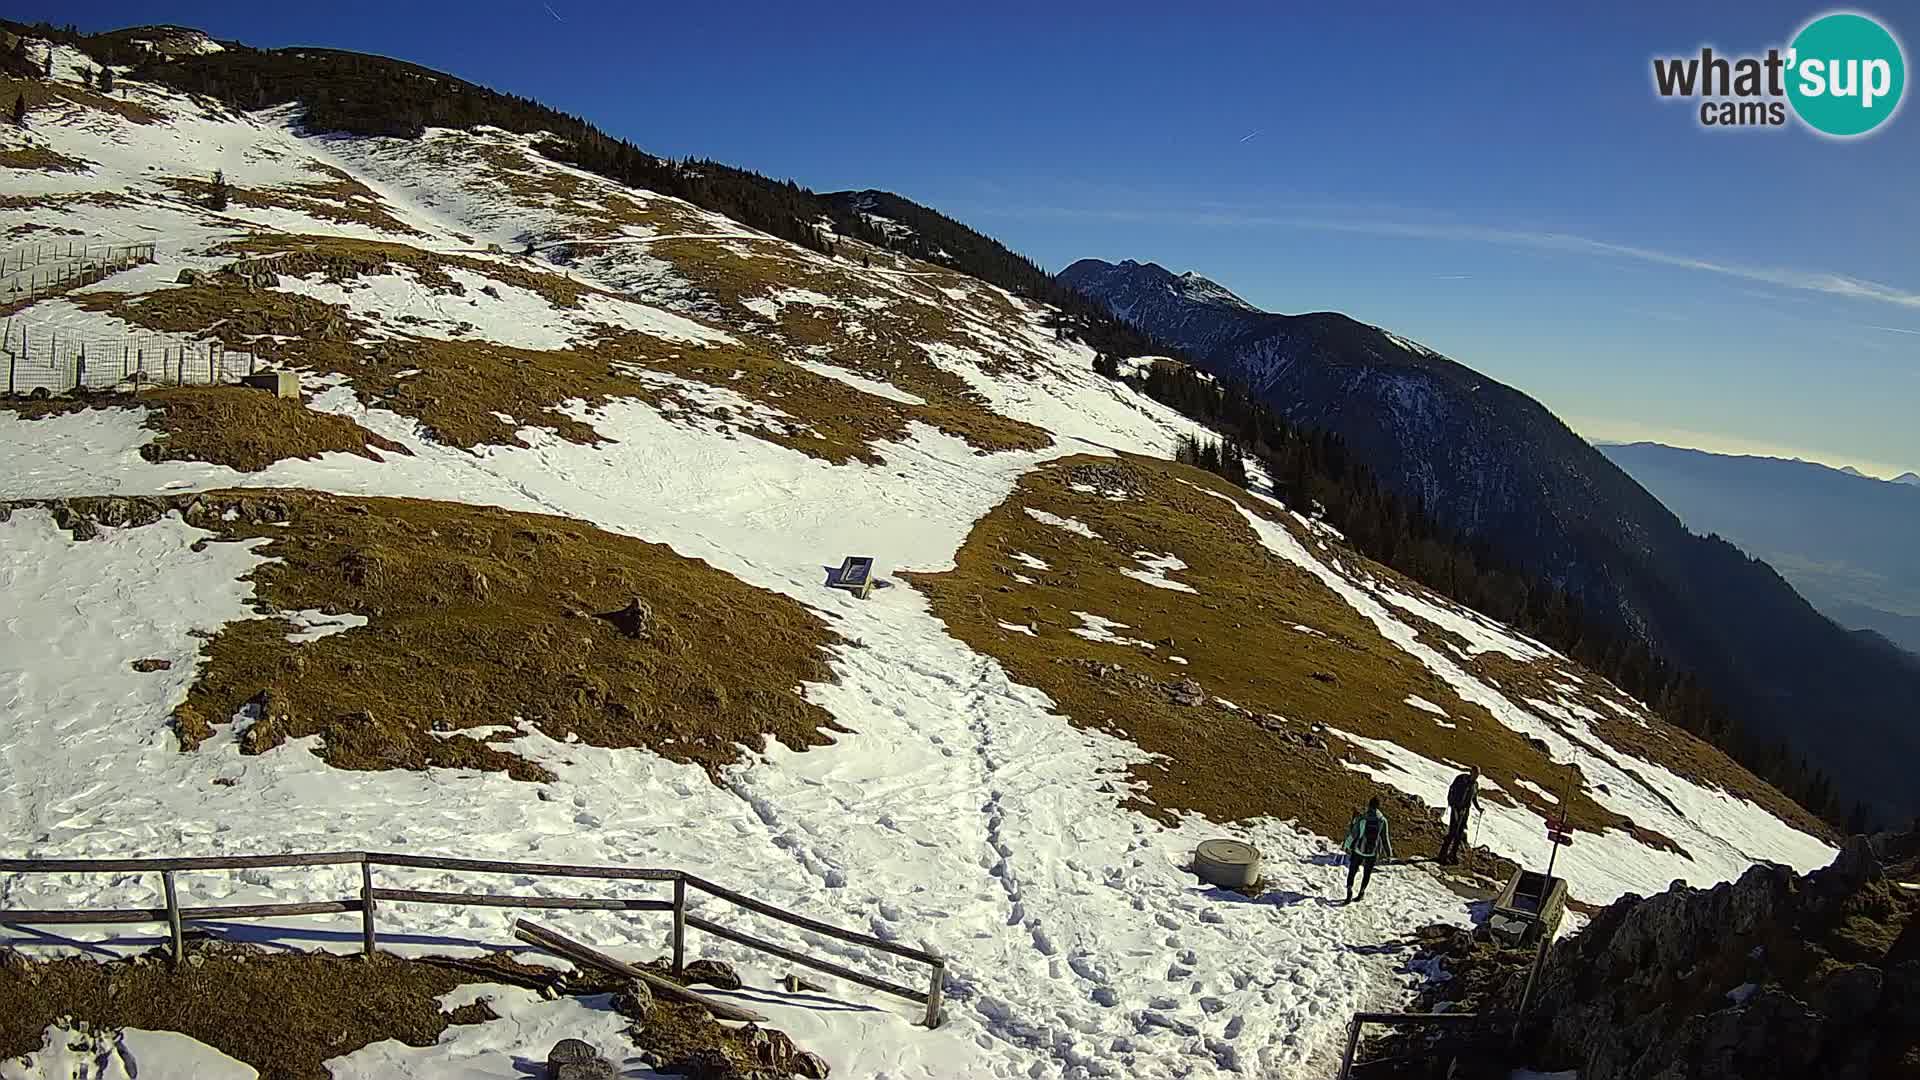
(371, 897)
(1361, 1020)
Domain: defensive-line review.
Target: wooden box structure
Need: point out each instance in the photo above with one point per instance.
(1532, 904)
(855, 575)
(285, 384)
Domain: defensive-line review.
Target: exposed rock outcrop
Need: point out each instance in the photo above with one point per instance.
(1770, 976)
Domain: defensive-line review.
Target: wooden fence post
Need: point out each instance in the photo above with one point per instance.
(1526, 994)
(1353, 1044)
(366, 907)
(173, 918)
(679, 924)
(936, 986)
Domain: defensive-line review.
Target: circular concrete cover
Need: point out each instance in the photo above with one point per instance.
(1227, 863)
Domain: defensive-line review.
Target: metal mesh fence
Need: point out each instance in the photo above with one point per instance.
(31, 271)
(39, 358)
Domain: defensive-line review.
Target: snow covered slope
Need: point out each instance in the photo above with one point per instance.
(477, 325)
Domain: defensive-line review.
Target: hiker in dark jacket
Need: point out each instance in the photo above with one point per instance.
(1367, 840)
(1463, 798)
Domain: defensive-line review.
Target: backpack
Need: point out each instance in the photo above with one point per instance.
(1370, 835)
(1460, 795)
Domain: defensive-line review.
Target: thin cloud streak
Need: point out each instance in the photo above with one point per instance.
(1891, 329)
(1831, 284)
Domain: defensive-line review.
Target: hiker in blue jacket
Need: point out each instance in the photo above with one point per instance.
(1367, 840)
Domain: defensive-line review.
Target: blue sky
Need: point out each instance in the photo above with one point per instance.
(1503, 187)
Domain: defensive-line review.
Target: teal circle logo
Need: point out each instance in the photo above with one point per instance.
(1845, 74)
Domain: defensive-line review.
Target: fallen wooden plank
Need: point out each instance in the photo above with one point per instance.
(815, 925)
(814, 962)
(535, 934)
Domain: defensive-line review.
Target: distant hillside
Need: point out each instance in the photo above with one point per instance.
(1850, 544)
(1490, 461)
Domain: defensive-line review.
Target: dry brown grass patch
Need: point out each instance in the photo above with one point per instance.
(40, 92)
(39, 157)
(344, 259)
(226, 307)
(1237, 634)
(247, 429)
(462, 387)
(600, 208)
(482, 617)
(345, 202)
(287, 1013)
(239, 427)
(885, 347)
(62, 202)
(284, 1013)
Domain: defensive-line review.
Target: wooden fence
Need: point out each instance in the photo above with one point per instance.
(1496, 1020)
(372, 896)
(1350, 1065)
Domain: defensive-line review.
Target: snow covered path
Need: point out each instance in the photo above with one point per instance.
(960, 814)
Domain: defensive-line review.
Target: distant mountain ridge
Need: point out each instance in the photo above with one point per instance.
(1849, 543)
(1184, 309)
(1488, 460)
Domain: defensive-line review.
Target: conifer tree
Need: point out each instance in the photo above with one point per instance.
(106, 80)
(217, 198)
(20, 110)
(86, 77)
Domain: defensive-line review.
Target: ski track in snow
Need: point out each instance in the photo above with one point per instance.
(960, 814)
